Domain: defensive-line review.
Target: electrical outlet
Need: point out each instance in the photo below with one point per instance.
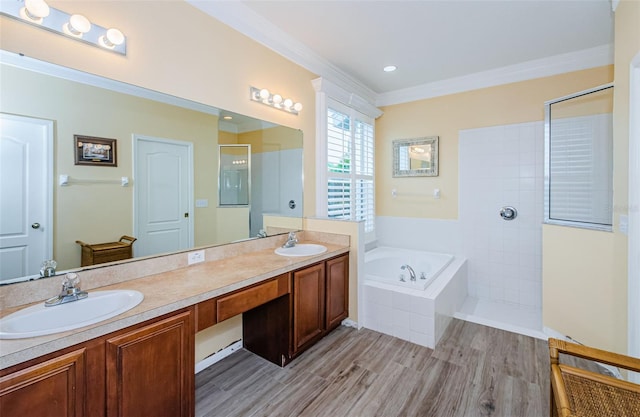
(195, 257)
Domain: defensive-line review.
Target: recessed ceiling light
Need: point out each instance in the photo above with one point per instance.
(227, 117)
(390, 68)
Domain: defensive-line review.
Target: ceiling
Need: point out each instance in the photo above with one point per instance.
(429, 41)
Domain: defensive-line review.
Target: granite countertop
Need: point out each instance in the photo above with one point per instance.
(165, 293)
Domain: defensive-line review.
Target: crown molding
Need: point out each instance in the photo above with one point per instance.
(243, 19)
(544, 67)
(246, 21)
(334, 91)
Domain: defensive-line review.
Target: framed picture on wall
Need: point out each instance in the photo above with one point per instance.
(90, 150)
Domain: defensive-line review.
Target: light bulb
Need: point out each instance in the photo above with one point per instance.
(112, 38)
(35, 10)
(297, 107)
(115, 36)
(288, 103)
(277, 99)
(264, 94)
(77, 25)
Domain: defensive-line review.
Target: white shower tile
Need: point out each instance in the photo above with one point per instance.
(421, 324)
(403, 333)
(527, 184)
(484, 292)
(422, 306)
(381, 314)
(401, 318)
(497, 293)
(378, 296)
(527, 158)
(528, 170)
(401, 301)
(511, 296)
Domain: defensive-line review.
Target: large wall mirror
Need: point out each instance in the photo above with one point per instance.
(161, 190)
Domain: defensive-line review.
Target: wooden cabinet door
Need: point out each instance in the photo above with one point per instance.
(337, 301)
(150, 370)
(308, 306)
(54, 388)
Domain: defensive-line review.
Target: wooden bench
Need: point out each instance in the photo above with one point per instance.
(99, 253)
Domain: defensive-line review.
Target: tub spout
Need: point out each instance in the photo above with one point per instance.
(412, 273)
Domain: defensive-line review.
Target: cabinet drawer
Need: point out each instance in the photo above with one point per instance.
(244, 300)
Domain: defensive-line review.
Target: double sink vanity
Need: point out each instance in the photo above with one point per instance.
(141, 361)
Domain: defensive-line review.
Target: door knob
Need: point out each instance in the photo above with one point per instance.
(35, 226)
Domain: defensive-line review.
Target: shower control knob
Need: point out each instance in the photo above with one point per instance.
(508, 213)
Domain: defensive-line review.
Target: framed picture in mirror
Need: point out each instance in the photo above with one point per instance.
(416, 157)
(95, 151)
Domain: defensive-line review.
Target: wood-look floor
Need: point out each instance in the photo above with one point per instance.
(474, 371)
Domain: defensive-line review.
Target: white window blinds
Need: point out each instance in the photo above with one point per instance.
(580, 169)
(350, 166)
(579, 163)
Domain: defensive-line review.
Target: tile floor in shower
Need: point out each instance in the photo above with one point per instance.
(511, 317)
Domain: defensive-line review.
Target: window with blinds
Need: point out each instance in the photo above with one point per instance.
(578, 170)
(350, 167)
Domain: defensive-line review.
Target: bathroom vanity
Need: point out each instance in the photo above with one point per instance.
(147, 368)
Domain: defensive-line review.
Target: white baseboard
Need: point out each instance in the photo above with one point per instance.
(218, 356)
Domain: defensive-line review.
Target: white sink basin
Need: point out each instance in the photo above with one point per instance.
(39, 320)
(302, 249)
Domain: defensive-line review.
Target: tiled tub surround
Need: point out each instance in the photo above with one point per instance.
(167, 283)
(499, 166)
(419, 317)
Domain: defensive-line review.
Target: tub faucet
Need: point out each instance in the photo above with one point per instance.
(291, 240)
(70, 291)
(412, 273)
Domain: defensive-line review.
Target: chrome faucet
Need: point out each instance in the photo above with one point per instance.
(412, 273)
(48, 268)
(70, 291)
(291, 240)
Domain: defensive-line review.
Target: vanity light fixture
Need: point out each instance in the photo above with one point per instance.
(75, 26)
(264, 96)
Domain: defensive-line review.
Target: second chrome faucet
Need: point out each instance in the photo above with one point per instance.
(412, 273)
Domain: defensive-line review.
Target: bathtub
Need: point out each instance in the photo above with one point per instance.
(418, 311)
(384, 265)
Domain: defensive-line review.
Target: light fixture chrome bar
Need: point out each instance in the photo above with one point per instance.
(276, 101)
(59, 22)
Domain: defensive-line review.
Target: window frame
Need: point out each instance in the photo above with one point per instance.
(323, 103)
(547, 167)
